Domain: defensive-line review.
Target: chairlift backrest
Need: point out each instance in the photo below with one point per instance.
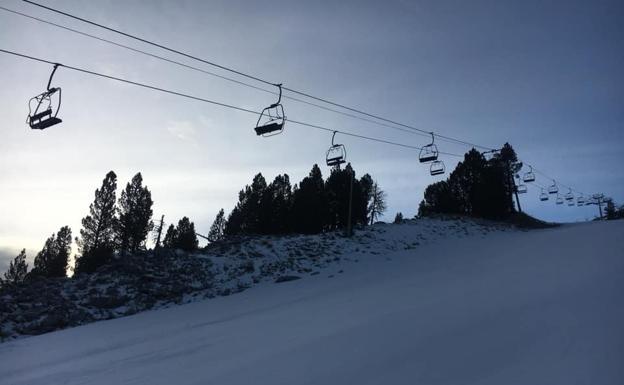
(543, 196)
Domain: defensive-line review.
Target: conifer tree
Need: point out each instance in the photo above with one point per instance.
(398, 218)
(171, 238)
(96, 242)
(135, 213)
(186, 238)
(18, 269)
(53, 259)
(218, 228)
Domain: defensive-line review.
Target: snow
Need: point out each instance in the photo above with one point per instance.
(491, 307)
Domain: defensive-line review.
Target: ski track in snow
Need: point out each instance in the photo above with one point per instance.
(509, 307)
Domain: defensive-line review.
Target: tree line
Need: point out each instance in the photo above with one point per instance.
(116, 227)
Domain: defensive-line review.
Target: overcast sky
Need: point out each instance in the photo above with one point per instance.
(546, 76)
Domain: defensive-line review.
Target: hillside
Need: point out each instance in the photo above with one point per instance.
(431, 302)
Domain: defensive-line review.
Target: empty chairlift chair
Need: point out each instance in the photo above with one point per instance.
(529, 176)
(42, 110)
(521, 188)
(580, 201)
(553, 189)
(543, 196)
(569, 196)
(429, 152)
(437, 168)
(272, 119)
(559, 200)
(336, 155)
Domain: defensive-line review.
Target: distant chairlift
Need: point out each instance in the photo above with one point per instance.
(571, 203)
(569, 196)
(437, 168)
(559, 200)
(43, 115)
(553, 189)
(521, 188)
(272, 119)
(580, 201)
(429, 152)
(337, 154)
(529, 176)
(543, 196)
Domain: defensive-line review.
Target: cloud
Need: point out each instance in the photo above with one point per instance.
(183, 130)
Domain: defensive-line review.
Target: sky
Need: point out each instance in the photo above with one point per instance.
(546, 77)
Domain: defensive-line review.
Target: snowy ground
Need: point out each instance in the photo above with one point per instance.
(539, 307)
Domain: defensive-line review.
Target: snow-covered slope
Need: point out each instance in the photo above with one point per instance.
(539, 307)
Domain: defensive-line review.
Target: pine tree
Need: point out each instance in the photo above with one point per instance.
(398, 218)
(217, 229)
(309, 213)
(96, 242)
(18, 269)
(53, 259)
(171, 238)
(186, 238)
(135, 213)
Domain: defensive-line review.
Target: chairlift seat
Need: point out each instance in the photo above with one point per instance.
(39, 124)
(553, 189)
(269, 128)
(521, 189)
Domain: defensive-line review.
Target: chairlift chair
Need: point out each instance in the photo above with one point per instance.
(569, 196)
(543, 196)
(337, 154)
(559, 200)
(42, 110)
(429, 152)
(272, 119)
(521, 188)
(580, 201)
(571, 203)
(437, 168)
(529, 176)
(553, 188)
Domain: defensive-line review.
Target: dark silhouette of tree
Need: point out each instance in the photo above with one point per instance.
(398, 218)
(312, 206)
(18, 269)
(171, 238)
(217, 230)
(186, 238)
(53, 259)
(477, 187)
(96, 242)
(309, 207)
(377, 205)
(135, 214)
